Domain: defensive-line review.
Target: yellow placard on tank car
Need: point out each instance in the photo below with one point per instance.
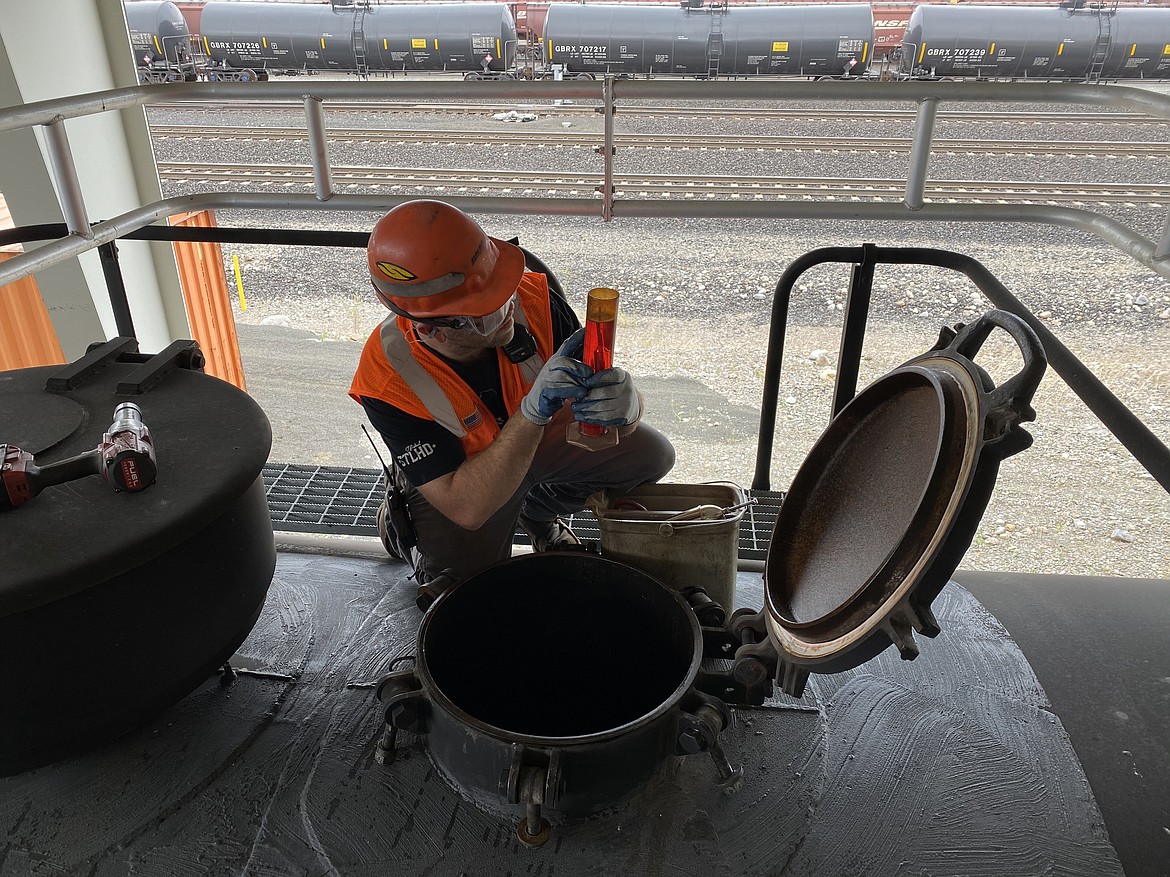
(780, 46)
(418, 44)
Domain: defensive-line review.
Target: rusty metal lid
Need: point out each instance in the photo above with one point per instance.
(888, 500)
(867, 487)
(868, 511)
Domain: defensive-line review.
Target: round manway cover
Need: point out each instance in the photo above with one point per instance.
(867, 498)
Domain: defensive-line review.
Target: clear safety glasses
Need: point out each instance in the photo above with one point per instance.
(484, 325)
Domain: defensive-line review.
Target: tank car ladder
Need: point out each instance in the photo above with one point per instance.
(358, 39)
(1104, 40)
(715, 41)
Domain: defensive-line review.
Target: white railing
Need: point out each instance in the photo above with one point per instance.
(52, 115)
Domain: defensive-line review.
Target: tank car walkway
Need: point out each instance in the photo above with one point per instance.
(341, 501)
(952, 764)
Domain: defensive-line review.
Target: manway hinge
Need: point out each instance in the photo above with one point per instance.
(701, 718)
(533, 779)
(406, 709)
(757, 663)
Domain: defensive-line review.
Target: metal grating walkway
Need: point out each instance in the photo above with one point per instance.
(340, 501)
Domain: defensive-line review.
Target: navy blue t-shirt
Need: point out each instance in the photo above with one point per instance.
(422, 448)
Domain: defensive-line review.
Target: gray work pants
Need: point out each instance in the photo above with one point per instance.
(558, 482)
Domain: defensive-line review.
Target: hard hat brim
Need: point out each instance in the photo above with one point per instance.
(504, 280)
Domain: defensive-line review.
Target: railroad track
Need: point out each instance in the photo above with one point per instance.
(699, 142)
(820, 114)
(552, 182)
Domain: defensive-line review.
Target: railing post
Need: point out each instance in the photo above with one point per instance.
(116, 287)
(607, 149)
(1163, 249)
(920, 153)
(65, 175)
(318, 148)
(853, 330)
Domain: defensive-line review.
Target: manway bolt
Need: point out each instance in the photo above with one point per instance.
(713, 721)
(692, 741)
(524, 832)
(385, 751)
(730, 778)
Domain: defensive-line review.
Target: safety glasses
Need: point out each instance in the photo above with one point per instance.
(484, 325)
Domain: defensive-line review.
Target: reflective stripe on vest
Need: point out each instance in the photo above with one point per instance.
(425, 387)
(399, 369)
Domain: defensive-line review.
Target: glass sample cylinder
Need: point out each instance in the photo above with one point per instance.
(600, 328)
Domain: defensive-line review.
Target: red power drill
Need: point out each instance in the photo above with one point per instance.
(124, 458)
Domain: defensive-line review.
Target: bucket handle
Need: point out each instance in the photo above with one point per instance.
(667, 527)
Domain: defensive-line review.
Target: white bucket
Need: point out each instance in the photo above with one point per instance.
(700, 553)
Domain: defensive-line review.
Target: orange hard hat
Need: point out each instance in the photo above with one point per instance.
(429, 259)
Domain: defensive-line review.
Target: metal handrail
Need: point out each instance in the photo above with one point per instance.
(314, 97)
(1125, 426)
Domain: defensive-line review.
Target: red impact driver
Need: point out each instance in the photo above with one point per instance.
(124, 458)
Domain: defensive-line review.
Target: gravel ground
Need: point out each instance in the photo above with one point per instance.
(696, 296)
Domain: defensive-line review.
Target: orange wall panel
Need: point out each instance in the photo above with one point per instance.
(209, 306)
(27, 336)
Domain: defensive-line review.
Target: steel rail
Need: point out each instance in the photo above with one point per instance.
(818, 114)
(719, 142)
(756, 186)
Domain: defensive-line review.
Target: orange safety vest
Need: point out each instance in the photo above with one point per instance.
(397, 368)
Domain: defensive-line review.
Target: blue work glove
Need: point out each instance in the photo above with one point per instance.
(562, 378)
(611, 399)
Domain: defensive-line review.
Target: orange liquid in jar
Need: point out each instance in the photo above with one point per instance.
(600, 330)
